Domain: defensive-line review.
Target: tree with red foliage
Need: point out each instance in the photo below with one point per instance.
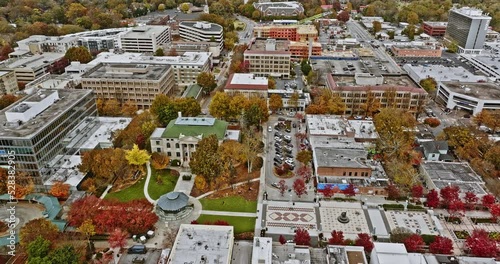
(432, 199)
(449, 194)
(417, 191)
(343, 16)
(282, 187)
(470, 200)
(337, 238)
(282, 240)
(414, 243)
(82, 209)
(488, 200)
(118, 238)
(305, 172)
(220, 223)
(299, 186)
(364, 240)
(495, 211)
(302, 237)
(350, 190)
(456, 208)
(481, 245)
(441, 245)
(328, 191)
(140, 141)
(392, 192)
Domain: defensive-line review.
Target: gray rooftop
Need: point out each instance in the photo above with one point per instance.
(127, 71)
(32, 61)
(464, 187)
(67, 99)
(193, 121)
(442, 73)
(173, 201)
(484, 91)
(453, 172)
(144, 32)
(202, 25)
(340, 157)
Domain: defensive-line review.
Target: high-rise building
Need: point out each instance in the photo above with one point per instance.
(468, 28)
(145, 39)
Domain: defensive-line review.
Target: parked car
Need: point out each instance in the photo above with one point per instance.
(288, 137)
(275, 185)
(281, 119)
(288, 130)
(294, 125)
(137, 249)
(276, 159)
(278, 139)
(270, 129)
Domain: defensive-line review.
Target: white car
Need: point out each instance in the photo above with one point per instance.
(270, 129)
(287, 137)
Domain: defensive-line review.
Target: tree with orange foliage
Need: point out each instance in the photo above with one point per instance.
(159, 160)
(60, 190)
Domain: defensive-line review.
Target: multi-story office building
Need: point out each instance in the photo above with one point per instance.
(290, 32)
(136, 82)
(436, 29)
(304, 99)
(201, 31)
(181, 136)
(186, 68)
(396, 91)
(473, 97)
(247, 84)
(96, 44)
(30, 67)
(8, 82)
(145, 38)
(34, 127)
(268, 57)
(287, 9)
(468, 28)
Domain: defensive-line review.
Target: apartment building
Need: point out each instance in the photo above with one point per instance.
(185, 68)
(290, 32)
(145, 39)
(30, 67)
(300, 50)
(268, 57)
(34, 127)
(247, 84)
(201, 31)
(467, 27)
(397, 91)
(436, 29)
(8, 82)
(136, 82)
(469, 96)
(287, 9)
(181, 136)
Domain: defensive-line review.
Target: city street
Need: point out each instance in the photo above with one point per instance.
(246, 35)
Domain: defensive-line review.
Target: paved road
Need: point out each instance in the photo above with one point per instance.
(246, 35)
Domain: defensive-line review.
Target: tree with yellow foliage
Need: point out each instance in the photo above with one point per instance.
(137, 157)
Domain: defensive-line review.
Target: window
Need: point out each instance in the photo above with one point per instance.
(158, 149)
(157, 142)
(355, 174)
(344, 173)
(177, 146)
(169, 154)
(350, 173)
(168, 145)
(178, 154)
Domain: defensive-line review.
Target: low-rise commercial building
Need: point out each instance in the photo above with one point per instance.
(389, 253)
(488, 64)
(262, 250)
(247, 84)
(181, 136)
(202, 244)
(416, 51)
(397, 91)
(322, 128)
(435, 29)
(201, 31)
(290, 32)
(473, 97)
(268, 57)
(304, 99)
(287, 9)
(346, 254)
(145, 39)
(30, 67)
(139, 83)
(441, 73)
(8, 82)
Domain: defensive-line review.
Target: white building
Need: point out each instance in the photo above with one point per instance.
(202, 244)
(441, 73)
(186, 68)
(389, 253)
(268, 8)
(467, 27)
(474, 97)
(30, 67)
(488, 64)
(8, 82)
(247, 84)
(262, 252)
(201, 31)
(286, 96)
(145, 39)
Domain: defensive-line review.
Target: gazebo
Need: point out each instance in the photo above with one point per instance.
(173, 205)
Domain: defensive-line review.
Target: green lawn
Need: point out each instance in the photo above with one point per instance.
(133, 192)
(241, 224)
(229, 204)
(156, 190)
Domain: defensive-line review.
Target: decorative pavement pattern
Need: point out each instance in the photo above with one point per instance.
(415, 221)
(357, 221)
(289, 217)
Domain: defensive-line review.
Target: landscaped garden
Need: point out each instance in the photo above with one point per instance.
(230, 204)
(133, 192)
(482, 220)
(461, 234)
(455, 220)
(241, 224)
(162, 182)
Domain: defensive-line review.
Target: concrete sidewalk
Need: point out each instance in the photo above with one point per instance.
(208, 212)
(184, 186)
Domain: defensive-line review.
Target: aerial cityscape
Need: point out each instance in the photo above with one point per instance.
(250, 132)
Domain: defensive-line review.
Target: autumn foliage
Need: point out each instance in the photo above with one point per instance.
(337, 238)
(136, 216)
(60, 190)
(299, 186)
(441, 245)
(302, 237)
(481, 245)
(432, 122)
(159, 160)
(364, 240)
(350, 190)
(433, 199)
(414, 243)
(38, 227)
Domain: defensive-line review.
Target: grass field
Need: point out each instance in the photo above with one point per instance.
(133, 192)
(156, 190)
(229, 204)
(241, 224)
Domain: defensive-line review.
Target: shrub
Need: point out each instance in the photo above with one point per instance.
(428, 238)
(186, 177)
(175, 163)
(432, 122)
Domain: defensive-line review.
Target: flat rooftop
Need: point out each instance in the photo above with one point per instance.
(340, 157)
(346, 254)
(492, 62)
(388, 80)
(144, 32)
(202, 25)
(188, 58)
(67, 99)
(464, 186)
(196, 242)
(450, 172)
(471, 12)
(436, 23)
(443, 73)
(32, 61)
(258, 46)
(485, 91)
(133, 71)
(246, 81)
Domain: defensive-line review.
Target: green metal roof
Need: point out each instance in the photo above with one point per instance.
(173, 130)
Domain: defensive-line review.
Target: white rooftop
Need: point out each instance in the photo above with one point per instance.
(390, 253)
(145, 32)
(248, 78)
(202, 244)
(442, 73)
(188, 58)
(66, 170)
(262, 250)
(32, 61)
(471, 12)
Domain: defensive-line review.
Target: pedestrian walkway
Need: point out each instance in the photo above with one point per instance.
(241, 214)
(146, 185)
(184, 186)
(234, 185)
(106, 191)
